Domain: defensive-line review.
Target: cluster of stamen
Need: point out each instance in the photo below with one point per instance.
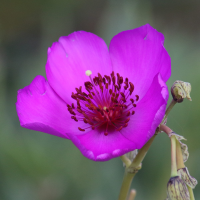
(106, 105)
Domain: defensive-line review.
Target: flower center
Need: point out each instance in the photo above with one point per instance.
(108, 104)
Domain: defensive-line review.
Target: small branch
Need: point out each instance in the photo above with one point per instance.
(142, 153)
(171, 105)
(125, 160)
(166, 129)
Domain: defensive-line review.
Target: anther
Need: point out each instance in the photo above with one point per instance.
(73, 117)
(122, 94)
(131, 88)
(85, 120)
(79, 110)
(81, 129)
(91, 97)
(120, 128)
(100, 77)
(126, 125)
(85, 94)
(127, 120)
(128, 113)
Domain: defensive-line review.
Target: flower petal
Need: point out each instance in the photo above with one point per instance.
(96, 146)
(139, 54)
(148, 113)
(39, 108)
(69, 58)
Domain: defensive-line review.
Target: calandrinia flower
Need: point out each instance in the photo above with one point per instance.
(110, 112)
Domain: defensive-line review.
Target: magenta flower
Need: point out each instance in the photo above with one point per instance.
(114, 110)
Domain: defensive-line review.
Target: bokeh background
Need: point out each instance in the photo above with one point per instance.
(38, 166)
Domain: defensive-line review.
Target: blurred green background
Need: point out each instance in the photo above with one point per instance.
(38, 166)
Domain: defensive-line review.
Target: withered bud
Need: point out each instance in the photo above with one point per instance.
(188, 179)
(177, 189)
(184, 147)
(181, 90)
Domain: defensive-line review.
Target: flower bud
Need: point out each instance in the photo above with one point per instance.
(188, 179)
(181, 90)
(177, 189)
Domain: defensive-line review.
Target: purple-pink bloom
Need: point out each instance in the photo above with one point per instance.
(115, 110)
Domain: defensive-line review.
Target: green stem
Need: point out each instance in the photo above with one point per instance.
(126, 183)
(167, 130)
(179, 156)
(171, 105)
(173, 157)
(191, 193)
(131, 169)
(142, 153)
(125, 160)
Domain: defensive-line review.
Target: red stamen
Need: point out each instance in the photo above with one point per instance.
(105, 105)
(81, 129)
(137, 97)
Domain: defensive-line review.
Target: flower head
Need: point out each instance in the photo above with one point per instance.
(107, 102)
